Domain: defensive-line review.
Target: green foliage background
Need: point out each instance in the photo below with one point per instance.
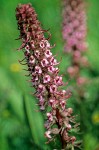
(21, 126)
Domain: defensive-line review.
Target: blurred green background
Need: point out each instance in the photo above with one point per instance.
(21, 126)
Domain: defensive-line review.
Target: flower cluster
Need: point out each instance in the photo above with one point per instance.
(74, 35)
(44, 72)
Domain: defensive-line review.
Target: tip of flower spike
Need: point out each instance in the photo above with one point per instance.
(20, 5)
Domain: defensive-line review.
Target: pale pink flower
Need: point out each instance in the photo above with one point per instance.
(53, 88)
(47, 134)
(38, 70)
(48, 53)
(44, 62)
(46, 79)
(74, 34)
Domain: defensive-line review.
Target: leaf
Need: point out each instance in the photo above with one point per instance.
(11, 95)
(35, 121)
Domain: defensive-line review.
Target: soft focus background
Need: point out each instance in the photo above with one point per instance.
(21, 126)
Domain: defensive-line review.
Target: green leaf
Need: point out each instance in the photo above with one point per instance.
(35, 121)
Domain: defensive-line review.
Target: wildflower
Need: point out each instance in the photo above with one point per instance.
(74, 34)
(53, 88)
(47, 134)
(38, 70)
(44, 73)
(46, 79)
(58, 80)
(41, 88)
(48, 53)
(44, 62)
(51, 69)
(50, 117)
(37, 53)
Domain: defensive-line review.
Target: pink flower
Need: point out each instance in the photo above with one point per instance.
(50, 117)
(68, 126)
(48, 54)
(74, 33)
(34, 77)
(53, 103)
(42, 44)
(73, 71)
(47, 124)
(51, 69)
(47, 44)
(37, 53)
(72, 41)
(64, 92)
(53, 88)
(38, 70)
(53, 61)
(63, 103)
(42, 107)
(77, 54)
(76, 23)
(41, 88)
(47, 134)
(32, 44)
(32, 59)
(73, 138)
(41, 101)
(46, 79)
(81, 80)
(27, 47)
(58, 80)
(44, 62)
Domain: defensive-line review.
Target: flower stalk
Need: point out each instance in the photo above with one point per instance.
(74, 34)
(44, 73)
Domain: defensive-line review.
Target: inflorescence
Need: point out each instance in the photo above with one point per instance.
(74, 34)
(44, 72)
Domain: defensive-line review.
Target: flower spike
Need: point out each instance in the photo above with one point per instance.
(44, 75)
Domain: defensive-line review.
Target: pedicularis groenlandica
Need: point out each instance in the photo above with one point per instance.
(44, 72)
(74, 34)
